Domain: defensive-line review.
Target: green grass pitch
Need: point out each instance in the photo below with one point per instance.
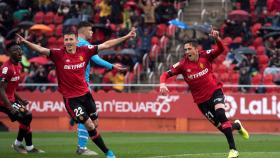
(147, 145)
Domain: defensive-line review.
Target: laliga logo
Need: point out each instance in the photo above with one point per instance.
(231, 106)
(163, 103)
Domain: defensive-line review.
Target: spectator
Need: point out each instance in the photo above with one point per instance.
(260, 6)
(164, 12)
(105, 11)
(245, 77)
(148, 12)
(116, 18)
(145, 38)
(274, 63)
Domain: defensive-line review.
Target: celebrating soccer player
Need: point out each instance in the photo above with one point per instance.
(71, 62)
(196, 67)
(12, 104)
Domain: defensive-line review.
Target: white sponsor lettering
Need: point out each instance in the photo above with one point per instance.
(161, 105)
(263, 106)
(199, 74)
(5, 70)
(73, 67)
(16, 78)
(46, 106)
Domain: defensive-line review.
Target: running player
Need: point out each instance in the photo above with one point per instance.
(196, 67)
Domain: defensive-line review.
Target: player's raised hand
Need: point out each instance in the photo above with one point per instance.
(163, 89)
(19, 38)
(132, 33)
(119, 67)
(214, 33)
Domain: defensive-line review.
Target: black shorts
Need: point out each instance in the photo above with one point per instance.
(81, 108)
(208, 108)
(20, 116)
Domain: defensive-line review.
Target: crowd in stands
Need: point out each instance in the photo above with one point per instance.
(253, 44)
(110, 18)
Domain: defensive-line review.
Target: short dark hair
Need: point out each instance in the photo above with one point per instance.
(69, 32)
(10, 45)
(84, 24)
(192, 42)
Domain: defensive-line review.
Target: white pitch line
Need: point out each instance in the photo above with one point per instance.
(202, 154)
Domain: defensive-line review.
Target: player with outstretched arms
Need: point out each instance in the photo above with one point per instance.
(71, 62)
(196, 68)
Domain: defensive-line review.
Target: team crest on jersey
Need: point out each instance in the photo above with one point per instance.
(201, 65)
(81, 58)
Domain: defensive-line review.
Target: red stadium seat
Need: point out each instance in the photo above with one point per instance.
(50, 33)
(163, 42)
(234, 78)
(58, 30)
(258, 42)
(51, 42)
(154, 52)
(48, 18)
(263, 59)
(255, 28)
(224, 77)
(269, 4)
(155, 40)
(257, 79)
(38, 17)
(58, 19)
(161, 30)
(222, 69)
(227, 41)
(260, 50)
(237, 40)
(171, 29)
(268, 80)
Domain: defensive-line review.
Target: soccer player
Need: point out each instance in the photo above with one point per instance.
(196, 67)
(71, 62)
(85, 34)
(12, 104)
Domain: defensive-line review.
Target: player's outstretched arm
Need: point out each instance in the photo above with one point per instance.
(220, 47)
(163, 88)
(120, 67)
(101, 62)
(114, 42)
(35, 47)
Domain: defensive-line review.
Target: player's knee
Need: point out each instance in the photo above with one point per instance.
(89, 125)
(27, 118)
(95, 122)
(93, 134)
(221, 115)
